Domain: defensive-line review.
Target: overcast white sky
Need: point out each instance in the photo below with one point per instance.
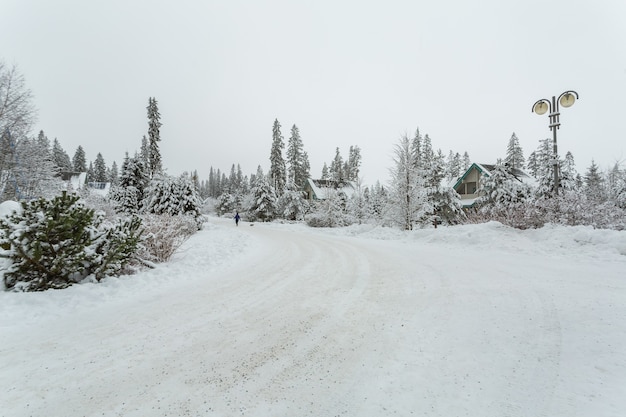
(345, 72)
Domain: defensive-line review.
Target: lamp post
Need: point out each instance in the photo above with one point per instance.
(566, 99)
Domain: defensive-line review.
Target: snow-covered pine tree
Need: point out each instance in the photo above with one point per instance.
(129, 194)
(336, 168)
(278, 171)
(99, 169)
(292, 204)
(543, 165)
(144, 151)
(354, 163)
(114, 176)
(514, 153)
(467, 162)
(79, 161)
(453, 168)
(91, 174)
(325, 172)
(172, 196)
(569, 176)
(617, 186)
(503, 197)
(60, 157)
(296, 170)
(154, 137)
(63, 243)
(594, 184)
(264, 201)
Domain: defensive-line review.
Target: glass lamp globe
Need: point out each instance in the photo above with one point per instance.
(567, 100)
(541, 107)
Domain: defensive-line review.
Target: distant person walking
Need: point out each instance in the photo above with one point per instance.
(237, 217)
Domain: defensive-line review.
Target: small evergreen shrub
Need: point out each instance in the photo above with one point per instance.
(55, 243)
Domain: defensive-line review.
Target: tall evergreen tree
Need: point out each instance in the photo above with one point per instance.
(467, 162)
(453, 168)
(514, 154)
(354, 163)
(336, 171)
(297, 170)
(130, 193)
(264, 202)
(154, 137)
(99, 169)
(114, 174)
(60, 157)
(594, 184)
(144, 151)
(79, 162)
(278, 171)
(568, 173)
(325, 173)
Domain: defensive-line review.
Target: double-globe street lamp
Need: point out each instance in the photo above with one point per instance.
(540, 107)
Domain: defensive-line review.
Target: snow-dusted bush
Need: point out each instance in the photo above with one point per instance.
(55, 243)
(163, 234)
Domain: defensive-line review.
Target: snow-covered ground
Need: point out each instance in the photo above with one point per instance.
(284, 320)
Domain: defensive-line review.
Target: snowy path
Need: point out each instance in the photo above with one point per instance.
(306, 323)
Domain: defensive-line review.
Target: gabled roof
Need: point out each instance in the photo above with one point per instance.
(486, 169)
(320, 186)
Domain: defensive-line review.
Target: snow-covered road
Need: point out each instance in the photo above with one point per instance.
(290, 321)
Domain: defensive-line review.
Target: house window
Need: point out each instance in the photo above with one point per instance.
(466, 188)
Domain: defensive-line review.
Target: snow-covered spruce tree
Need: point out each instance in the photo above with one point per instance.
(225, 204)
(263, 204)
(467, 162)
(514, 153)
(453, 167)
(357, 208)
(127, 197)
(569, 176)
(99, 169)
(278, 170)
(79, 161)
(377, 201)
(297, 159)
(114, 175)
(292, 205)
(154, 137)
(336, 170)
(617, 186)
(325, 172)
(60, 157)
(173, 196)
(594, 184)
(55, 243)
(542, 165)
(353, 166)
